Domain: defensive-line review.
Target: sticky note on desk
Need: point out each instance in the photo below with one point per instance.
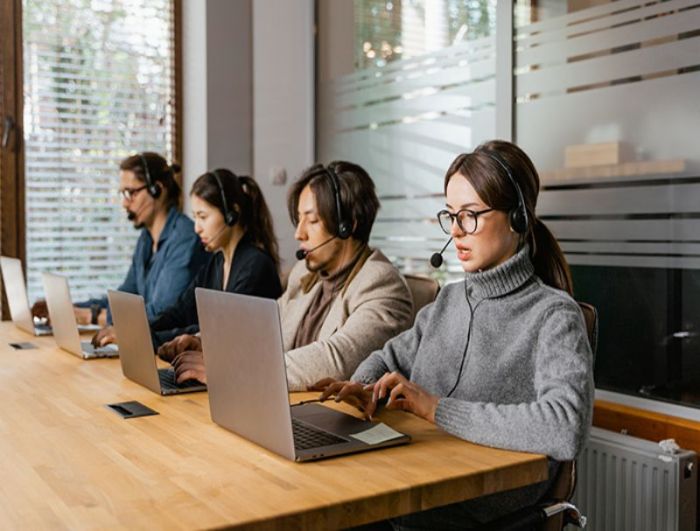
(377, 434)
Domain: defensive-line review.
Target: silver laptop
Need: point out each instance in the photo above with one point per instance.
(136, 352)
(20, 312)
(65, 328)
(16, 290)
(247, 380)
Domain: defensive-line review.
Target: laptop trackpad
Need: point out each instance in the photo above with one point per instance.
(330, 420)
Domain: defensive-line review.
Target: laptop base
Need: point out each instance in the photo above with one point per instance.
(338, 425)
(42, 330)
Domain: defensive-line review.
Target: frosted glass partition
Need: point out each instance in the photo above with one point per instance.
(405, 122)
(606, 103)
(625, 74)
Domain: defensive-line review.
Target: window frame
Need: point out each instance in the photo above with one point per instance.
(12, 199)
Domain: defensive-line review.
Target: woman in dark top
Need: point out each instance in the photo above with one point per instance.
(234, 224)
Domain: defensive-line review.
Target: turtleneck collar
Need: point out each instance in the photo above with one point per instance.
(502, 279)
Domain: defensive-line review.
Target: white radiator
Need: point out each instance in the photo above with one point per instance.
(630, 484)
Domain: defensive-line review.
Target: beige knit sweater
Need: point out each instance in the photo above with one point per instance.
(373, 307)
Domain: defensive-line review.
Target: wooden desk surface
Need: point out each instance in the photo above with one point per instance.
(68, 462)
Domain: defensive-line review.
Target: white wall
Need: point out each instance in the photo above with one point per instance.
(229, 86)
(249, 95)
(217, 88)
(283, 102)
(194, 108)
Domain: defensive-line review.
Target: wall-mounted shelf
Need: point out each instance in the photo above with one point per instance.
(624, 169)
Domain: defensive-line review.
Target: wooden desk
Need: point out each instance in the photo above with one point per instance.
(68, 462)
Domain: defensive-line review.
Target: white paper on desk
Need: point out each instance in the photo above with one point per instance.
(377, 434)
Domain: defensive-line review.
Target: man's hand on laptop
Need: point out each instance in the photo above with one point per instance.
(168, 351)
(83, 316)
(354, 393)
(104, 337)
(189, 365)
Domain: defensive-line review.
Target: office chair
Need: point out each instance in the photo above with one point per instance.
(423, 290)
(555, 510)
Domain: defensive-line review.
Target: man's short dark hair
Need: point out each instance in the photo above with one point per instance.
(358, 199)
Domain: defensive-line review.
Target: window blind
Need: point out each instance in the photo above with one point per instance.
(98, 86)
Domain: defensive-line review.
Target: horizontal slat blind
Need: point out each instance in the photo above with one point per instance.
(98, 86)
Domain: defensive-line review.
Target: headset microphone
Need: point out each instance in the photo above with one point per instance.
(131, 216)
(216, 237)
(436, 259)
(303, 253)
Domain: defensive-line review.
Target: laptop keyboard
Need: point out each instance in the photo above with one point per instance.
(168, 382)
(107, 351)
(42, 329)
(307, 436)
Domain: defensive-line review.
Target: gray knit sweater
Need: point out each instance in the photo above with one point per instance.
(526, 381)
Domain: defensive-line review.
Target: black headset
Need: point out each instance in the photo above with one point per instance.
(230, 215)
(517, 216)
(153, 189)
(344, 229)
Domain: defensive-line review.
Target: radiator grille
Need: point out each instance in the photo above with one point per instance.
(624, 484)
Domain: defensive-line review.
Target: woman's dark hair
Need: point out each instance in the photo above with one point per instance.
(245, 194)
(491, 182)
(160, 172)
(358, 199)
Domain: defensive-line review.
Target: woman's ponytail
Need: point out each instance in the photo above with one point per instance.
(260, 226)
(547, 257)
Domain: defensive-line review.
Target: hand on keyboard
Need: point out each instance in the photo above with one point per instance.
(168, 351)
(190, 366)
(354, 393)
(104, 337)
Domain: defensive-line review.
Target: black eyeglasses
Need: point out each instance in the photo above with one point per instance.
(129, 193)
(466, 219)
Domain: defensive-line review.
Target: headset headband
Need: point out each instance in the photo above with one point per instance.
(230, 216)
(518, 216)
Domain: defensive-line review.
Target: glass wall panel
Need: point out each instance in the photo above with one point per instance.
(401, 92)
(607, 106)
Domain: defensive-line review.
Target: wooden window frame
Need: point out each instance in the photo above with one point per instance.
(12, 215)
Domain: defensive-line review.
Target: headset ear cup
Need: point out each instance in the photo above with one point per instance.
(154, 191)
(517, 221)
(231, 218)
(344, 230)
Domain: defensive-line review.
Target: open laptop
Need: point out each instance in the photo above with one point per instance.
(247, 380)
(15, 288)
(65, 328)
(20, 312)
(136, 352)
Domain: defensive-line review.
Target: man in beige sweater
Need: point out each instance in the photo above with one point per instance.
(345, 300)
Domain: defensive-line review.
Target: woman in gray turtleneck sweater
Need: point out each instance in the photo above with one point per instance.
(502, 358)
